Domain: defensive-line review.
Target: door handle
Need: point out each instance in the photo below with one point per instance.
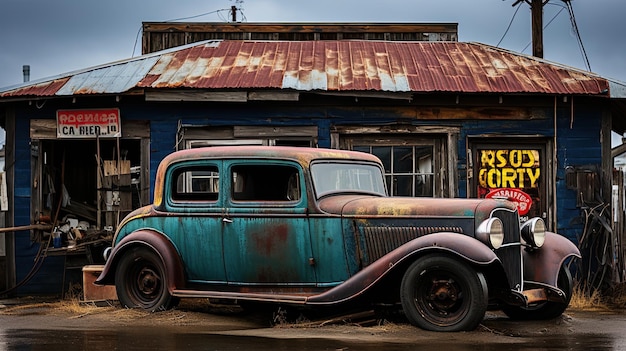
(227, 220)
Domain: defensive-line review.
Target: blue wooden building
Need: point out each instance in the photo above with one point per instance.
(449, 119)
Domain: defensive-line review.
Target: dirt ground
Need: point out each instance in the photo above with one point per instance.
(195, 315)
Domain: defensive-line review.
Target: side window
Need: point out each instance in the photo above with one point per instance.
(195, 183)
(265, 183)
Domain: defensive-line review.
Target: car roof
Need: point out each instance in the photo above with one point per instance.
(303, 155)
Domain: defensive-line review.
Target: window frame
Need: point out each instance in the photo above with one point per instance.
(194, 205)
(444, 139)
(228, 169)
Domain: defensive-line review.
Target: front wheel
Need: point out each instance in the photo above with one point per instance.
(548, 309)
(440, 293)
(140, 281)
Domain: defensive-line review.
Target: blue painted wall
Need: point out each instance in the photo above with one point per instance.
(578, 145)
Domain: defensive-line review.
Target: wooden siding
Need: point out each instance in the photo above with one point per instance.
(158, 36)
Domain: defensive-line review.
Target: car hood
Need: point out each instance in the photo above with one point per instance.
(372, 206)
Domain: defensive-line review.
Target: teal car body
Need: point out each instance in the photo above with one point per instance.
(315, 227)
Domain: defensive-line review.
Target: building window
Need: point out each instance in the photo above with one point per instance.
(408, 169)
(419, 161)
(190, 137)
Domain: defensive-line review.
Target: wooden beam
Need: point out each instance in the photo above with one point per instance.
(190, 95)
(45, 227)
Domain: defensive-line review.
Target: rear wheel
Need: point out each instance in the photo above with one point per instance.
(548, 309)
(440, 293)
(140, 281)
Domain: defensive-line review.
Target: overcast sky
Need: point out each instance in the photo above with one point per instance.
(60, 36)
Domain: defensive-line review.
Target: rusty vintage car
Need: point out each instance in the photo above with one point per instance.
(315, 228)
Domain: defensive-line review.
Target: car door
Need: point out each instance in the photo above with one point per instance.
(194, 219)
(266, 232)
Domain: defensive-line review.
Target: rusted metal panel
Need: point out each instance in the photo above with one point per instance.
(380, 66)
(368, 65)
(42, 89)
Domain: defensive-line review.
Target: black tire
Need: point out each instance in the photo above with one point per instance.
(545, 310)
(440, 293)
(140, 281)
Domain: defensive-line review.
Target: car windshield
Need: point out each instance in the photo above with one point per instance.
(335, 177)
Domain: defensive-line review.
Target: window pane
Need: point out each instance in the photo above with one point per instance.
(403, 159)
(384, 153)
(403, 186)
(424, 159)
(424, 185)
(199, 183)
(362, 149)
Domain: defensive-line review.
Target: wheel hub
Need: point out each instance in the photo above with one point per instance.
(148, 281)
(443, 294)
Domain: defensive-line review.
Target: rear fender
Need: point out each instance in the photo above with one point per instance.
(159, 244)
(464, 247)
(543, 265)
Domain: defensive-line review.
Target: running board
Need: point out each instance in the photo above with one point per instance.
(290, 299)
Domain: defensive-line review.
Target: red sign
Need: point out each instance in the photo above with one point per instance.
(103, 123)
(520, 198)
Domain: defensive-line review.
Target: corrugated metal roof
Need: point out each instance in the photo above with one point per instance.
(327, 66)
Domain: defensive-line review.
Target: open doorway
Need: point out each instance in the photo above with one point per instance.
(85, 187)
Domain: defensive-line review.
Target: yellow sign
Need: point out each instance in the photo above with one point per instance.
(509, 169)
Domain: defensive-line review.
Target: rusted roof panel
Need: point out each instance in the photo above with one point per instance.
(328, 66)
(111, 79)
(366, 66)
(44, 88)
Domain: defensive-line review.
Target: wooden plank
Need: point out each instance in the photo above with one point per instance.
(47, 129)
(274, 96)
(43, 128)
(188, 27)
(274, 132)
(190, 95)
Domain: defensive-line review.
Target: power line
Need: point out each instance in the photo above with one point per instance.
(547, 24)
(577, 33)
(510, 23)
(176, 20)
(196, 16)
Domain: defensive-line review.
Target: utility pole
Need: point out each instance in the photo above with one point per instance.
(233, 11)
(537, 26)
(536, 9)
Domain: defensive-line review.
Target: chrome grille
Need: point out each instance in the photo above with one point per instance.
(510, 254)
(382, 240)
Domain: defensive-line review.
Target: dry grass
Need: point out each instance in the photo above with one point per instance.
(584, 299)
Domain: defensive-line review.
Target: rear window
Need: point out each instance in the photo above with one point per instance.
(196, 183)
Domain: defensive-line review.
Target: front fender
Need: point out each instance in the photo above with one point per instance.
(159, 244)
(462, 246)
(543, 265)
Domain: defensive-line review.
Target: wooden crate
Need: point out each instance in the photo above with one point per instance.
(93, 292)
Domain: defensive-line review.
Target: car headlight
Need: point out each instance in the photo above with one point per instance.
(534, 232)
(491, 232)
